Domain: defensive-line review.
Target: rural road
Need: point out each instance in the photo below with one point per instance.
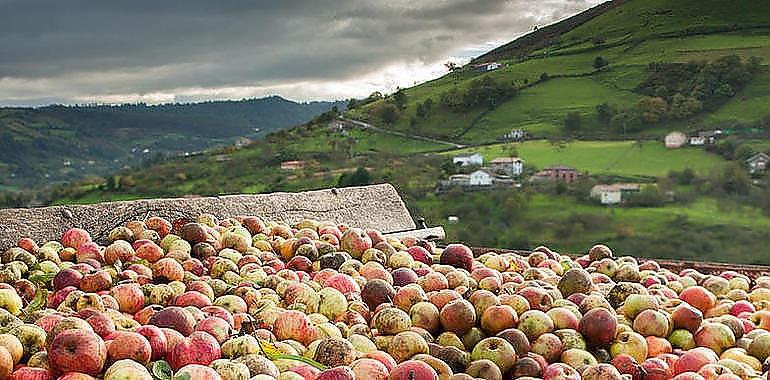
(363, 125)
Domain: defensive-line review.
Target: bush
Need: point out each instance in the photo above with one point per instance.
(358, 178)
(649, 196)
(600, 62)
(605, 112)
(573, 121)
(481, 92)
(386, 112)
(626, 121)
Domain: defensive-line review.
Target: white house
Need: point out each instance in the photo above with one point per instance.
(481, 178)
(697, 140)
(511, 166)
(473, 159)
(758, 163)
(488, 66)
(675, 140)
(613, 194)
(459, 180)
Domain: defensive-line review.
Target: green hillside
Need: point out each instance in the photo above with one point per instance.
(40, 146)
(559, 75)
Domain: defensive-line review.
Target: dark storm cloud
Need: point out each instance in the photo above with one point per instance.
(73, 50)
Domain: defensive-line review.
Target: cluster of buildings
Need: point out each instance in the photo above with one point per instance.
(677, 139)
(500, 171)
(503, 171)
(515, 135)
(757, 163)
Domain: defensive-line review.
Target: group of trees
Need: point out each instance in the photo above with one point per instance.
(676, 91)
(482, 92)
(389, 111)
(683, 85)
(359, 177)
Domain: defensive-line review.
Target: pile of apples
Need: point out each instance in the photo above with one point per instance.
(239, 299)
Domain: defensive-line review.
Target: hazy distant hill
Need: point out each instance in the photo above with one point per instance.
(60, 143)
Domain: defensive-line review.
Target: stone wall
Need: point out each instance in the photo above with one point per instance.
(375, 206)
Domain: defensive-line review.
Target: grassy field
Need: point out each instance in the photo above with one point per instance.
(624, 158)
(749, 105)
(647, 18)
(541, 109)
(698, 230)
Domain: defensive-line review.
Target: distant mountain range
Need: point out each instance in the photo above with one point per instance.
(53, 144)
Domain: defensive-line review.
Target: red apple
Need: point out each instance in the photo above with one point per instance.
(130, 345)
(197, 372)
(156, 338)
(458, 256)
(198, 348)
(129, 296)
(78, 351)
(412, 370)
(176, 318)
(598, 327)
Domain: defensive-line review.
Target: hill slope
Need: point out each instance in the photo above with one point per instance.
(49, 144)
(603, 55)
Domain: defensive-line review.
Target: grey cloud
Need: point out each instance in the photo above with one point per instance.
(66, 50)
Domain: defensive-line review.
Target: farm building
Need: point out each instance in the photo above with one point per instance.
(614, 193)
(556, 174)
(510, 166)
(240, 142)
(472, 159)
(515, 135)
(758, 163)
(481, 178)
(697, 140)
(292, 165)
(459, 180)
(675, 140)
(488, 66)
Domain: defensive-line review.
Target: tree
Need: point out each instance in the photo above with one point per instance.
(605, 112)
(652, 109)
(387, 112)
(573, 121)
(626, 121)
(452, 67)
(358, 178)
(732, 179)
(600, 62)
(428, 104)
(420, 110)
(683, 107)
(743, 152)
(399, 99)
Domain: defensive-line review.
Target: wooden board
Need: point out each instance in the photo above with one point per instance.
(375, 206)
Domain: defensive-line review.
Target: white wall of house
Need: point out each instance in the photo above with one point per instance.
(480, 178)
(610, 197)
(474, 159)
(518, 168)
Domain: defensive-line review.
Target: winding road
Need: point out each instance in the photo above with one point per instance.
(363, 125)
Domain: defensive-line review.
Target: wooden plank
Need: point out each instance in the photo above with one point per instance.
(432, 233)
(751, 270)
(374, 206)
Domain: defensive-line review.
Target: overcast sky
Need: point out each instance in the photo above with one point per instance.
(191, 50)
